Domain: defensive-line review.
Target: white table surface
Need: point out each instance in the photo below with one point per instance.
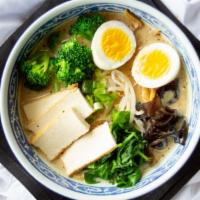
(14, 12)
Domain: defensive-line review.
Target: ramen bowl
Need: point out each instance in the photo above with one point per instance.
(10, 115)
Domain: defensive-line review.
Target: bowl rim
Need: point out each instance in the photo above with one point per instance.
(4, 93)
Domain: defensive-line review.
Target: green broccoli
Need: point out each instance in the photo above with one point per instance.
(74, 62)
(63, 69)
(86, 25)
(36, 72)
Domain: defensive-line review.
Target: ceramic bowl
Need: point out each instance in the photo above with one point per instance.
(9, 102)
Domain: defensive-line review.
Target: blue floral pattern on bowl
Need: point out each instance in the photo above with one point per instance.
(67, 182)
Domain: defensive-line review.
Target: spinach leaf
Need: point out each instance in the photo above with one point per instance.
(122, 166)
(120, 119)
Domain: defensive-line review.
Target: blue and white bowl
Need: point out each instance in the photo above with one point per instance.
(9, 109)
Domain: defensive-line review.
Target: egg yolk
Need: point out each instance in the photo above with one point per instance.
(115, 44)
(154, 64)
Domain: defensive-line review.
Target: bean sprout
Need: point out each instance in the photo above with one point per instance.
(118, 81)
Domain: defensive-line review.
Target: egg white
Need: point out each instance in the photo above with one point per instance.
(99, 57)
(169, 76)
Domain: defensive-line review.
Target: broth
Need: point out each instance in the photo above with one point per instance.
(145, 35)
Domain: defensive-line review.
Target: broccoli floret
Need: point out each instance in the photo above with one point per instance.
(86, 25)
(53, 65)
(63, 69)
(36, 72)
(74, 62)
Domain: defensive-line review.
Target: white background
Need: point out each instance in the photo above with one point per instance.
(14, 12)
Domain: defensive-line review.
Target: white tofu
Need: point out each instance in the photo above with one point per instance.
(37, 108)
(88, 149)
(59, 133)
(72, 99)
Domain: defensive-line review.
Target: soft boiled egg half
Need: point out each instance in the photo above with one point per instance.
(156, 65)
(113, 45)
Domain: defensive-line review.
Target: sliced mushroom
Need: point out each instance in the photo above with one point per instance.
(162, 124)
(169, 93)
(151, 107)
(135, 22)
(159, 144)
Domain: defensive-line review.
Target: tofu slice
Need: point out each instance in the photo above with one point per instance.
(35, 109)
(88, 149)
(72, 99)
(59, 133)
